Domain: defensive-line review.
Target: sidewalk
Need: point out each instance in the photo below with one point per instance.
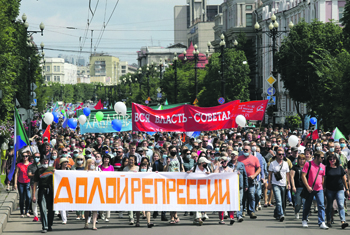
(7, 205)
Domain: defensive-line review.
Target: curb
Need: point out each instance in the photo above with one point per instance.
(7, 205)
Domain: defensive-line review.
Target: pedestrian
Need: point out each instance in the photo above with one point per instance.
(279, 181)
(79, 166)
(106, 166)
(23, 182)
(90, 166)
(43, 181)
(63, 166)
(131, 167)
(31, 172)
(335, 182)
(315, 171)
(297, 184)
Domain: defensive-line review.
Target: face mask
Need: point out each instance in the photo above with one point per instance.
(224, 166)
(331, 150)
(274, 144)
(98, 161)
(239, 148)
(202, 134)
(54, 157)
(172, 154)
(318, 148)
(88, 155)
(82, 138)
(342, 145)
(37, 159)
(92, 167)
(217, 149)
(263, 142)
(75, 154)
(205, 165)
(106, 151)
(73, 145)
(235, 148)
(188, 156)
(115, 153)
(40, 133)
(283, 145)
(165, 156)
(150, 147)
(143, 170)
(65, 155)
(254, 149)
(80, 162)
(246, 154)
(216, 158)
(69, 153)
(45, 165)
(111, 142)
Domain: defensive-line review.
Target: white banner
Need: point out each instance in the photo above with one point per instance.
(129, 191)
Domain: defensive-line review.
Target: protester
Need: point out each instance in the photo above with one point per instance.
(31, 171)
(297, 184)
(90, 166)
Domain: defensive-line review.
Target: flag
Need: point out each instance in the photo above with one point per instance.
(160, 107)
(166, 102)
(99, 105)
(20, 141)
(65, 122)
(337, 134)
(314, 135)
(47, 134)
(79, 107)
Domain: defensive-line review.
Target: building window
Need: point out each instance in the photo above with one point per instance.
(123, 67)
(341, 12)
(58, 78)
(47, 68)
(48, 78)
(55, 68)
(54, 78)
(248, 7)
(123, 71)
(249, 19)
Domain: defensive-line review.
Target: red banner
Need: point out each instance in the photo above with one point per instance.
(190, 118)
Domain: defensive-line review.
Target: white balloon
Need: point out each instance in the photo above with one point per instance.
(120, 108)
(48, 118)
(293, 140)
(53, 142)
(241, 121)
(82, 119)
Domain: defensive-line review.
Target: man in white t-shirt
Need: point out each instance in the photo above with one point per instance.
(280, 169)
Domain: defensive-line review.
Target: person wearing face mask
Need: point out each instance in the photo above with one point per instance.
(63, 167)
(64, 154)
(261, 177)
(149, 152)
(118, 159)
(75, 153)
(344, 148)
(200, 167)
(343, 161)
(131, 167)
(79, 166)
(46, 150)
(98, 161)
(43, 181)
(223, 168)
(88, 153)
(90, 166)
(54, 155)
(105, 166)
(31, 171)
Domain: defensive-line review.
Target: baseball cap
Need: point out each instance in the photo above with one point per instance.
(63, 160)
(235, 153)
(294, 149)
(203, 159)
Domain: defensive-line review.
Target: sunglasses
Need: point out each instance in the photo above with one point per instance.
(289, 152)
(80, 159)
(245, 150)
(205, 140)
(65, 152)
(87, 152)
(280, 154)
(25, 156)
(118, 152)
(332, 159)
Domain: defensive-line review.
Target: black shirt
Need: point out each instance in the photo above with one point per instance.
(297, 176)
(334, 181)
(117, 164)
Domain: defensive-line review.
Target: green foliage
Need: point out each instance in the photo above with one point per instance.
(293, 121)
(235, 75)
(346, 23)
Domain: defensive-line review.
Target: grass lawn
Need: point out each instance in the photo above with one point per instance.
(2, 178)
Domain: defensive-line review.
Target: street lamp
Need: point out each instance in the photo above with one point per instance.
(160, 68)
(274, 33)
(195, 54)
(175, 73)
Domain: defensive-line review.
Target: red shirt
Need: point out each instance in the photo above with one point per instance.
(251, 164)
(22, 173)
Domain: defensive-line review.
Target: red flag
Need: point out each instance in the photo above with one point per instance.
(315, 135)
(47, 133)
(99, 105)
(79, 107)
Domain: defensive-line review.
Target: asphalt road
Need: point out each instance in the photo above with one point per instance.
(264, 224)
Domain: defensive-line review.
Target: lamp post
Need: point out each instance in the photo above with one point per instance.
(195, 56)
(160, 68)
(274, 33)
(140, 77)
(175, 73)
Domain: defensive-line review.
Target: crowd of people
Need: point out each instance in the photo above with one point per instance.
(271, 173)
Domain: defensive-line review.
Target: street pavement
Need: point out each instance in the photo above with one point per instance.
(263, 225)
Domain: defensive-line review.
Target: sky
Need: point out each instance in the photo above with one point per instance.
(134, 23)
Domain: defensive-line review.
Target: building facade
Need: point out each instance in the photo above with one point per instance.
(156, 55)
(83, 74)
(104, 68)
(56, 70)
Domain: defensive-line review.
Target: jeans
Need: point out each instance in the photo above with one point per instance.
(258, 193)
(279, 192)
(45, 200)
(298, 200)
(320, 205)
(251, 197)
(24, 195)
(339, 196)
(239, 213)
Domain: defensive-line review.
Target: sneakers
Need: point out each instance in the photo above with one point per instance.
(103, 217)
(240, 219)
(164, 218)
(221, 222)
(131, 222)
(323, 226)
(296, 215)
(344, 225)
(204, 216)
(290, 204)
(232, 221)
(106, 220)
(89, 220)
(120, 215)
(259, 207)
(282, 218)
(36, 219)
(253, 215)
(304, 223)
(44, 231)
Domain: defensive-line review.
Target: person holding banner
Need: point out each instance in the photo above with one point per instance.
(131, 167)
(63, 166)
(223, 168)
(90, 166)
(79, 166)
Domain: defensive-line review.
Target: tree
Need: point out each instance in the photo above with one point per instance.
(346, 23)
(298, 75)
(236, 78)
(293, 122)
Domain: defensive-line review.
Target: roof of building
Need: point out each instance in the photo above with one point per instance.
(202, 59)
